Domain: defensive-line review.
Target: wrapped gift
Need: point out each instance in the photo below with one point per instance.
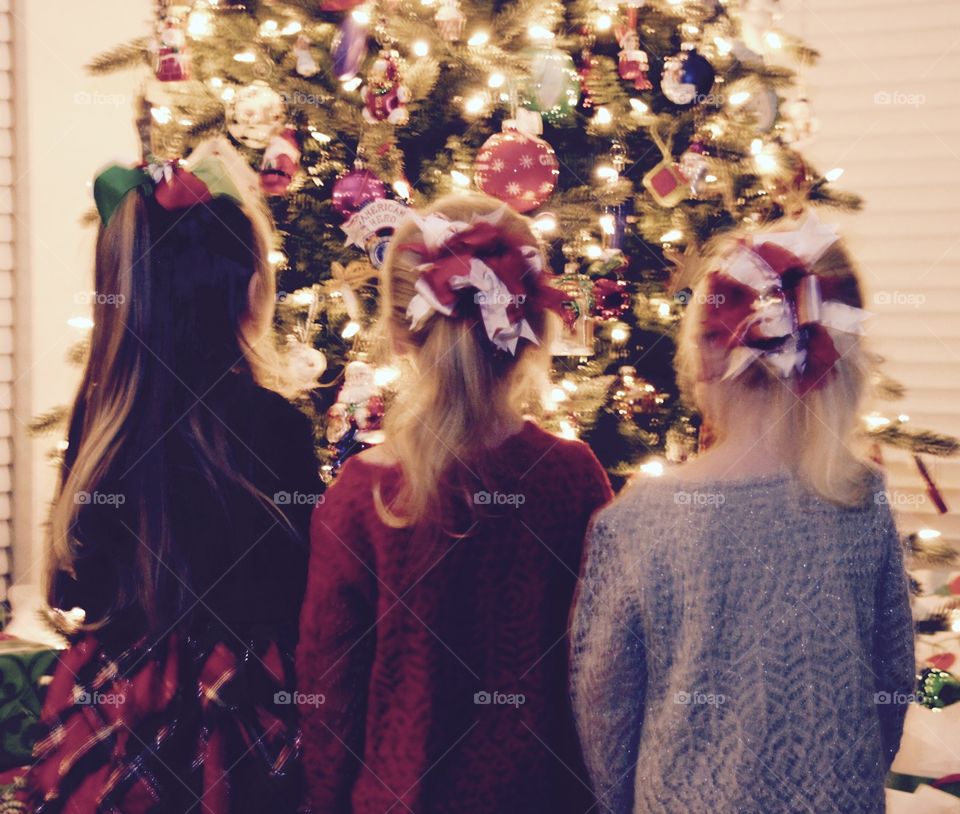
(24, 671)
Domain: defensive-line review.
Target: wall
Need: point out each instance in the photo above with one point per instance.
(885, 91)
(68, 124)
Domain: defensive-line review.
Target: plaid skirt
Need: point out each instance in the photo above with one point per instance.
(178, 726)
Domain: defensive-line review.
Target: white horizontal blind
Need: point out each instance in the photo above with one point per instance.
(6, 291)
(886, 94)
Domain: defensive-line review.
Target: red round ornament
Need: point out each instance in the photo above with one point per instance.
(518, 168)
(338, 5)
(611, 299)
(355, 189)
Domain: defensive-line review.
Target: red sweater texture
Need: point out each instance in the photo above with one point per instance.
(433, 668)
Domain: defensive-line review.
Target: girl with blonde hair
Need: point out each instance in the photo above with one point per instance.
(180, 521)
(742, 639)
(443, 563)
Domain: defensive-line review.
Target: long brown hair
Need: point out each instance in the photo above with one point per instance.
(458, 388)
(173, 317)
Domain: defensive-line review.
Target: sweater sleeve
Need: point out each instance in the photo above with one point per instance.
(608, 671)
(894, 661)
(336, 651)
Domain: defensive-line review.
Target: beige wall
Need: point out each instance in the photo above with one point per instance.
(68, 124)
(886, 94)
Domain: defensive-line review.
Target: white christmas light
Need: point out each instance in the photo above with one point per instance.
(540, 33)
(496, 80)
(200, 23)
(903, 418)
(766, 163)
(245, 56)
(774, 40)
(756, 146)
(353, 84)
(602, 117)
(567, 430)
(672, 236)
(421, 48)
(304, 297)
(875, 421)
(569, 385)
(478, 38)
(291, 28)
(269, 28)
(928, 534)
(652, 468)
(608, 224)
(216, 82)
(711, 179)
(276, 257)
(459, 179)
(739, 98)
(361, 15)
(639, 106)
(834, 175)
(724, 46)
(663, 309)
(383, 376)
(161, 115)
(545, 223)
(475, 105)
(228, 94)
(350, 330)
(402, 188)
(593, 251)
(604, 22)
(619, 333)
(82, 323)
(607, 173)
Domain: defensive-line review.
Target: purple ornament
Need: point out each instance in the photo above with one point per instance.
(349, 48)
(355, 189)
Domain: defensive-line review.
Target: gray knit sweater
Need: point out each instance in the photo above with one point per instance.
(741, 647)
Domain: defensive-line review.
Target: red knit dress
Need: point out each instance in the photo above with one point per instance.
(433, 669)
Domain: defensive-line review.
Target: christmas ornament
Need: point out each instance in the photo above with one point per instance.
(372, 227)
(667, 184)
(281, 160)
(173, 59)
(694, 166)
(306, 64)
(611, 299)
(359, 407)
(577, 339)
(385, 96)
(255, 114)
(800, 125)
(519, 168)
(687, 78)
(634, 394)
(938, 689)
(588, 65)
(355, 189)
(554, 86)
(450, 20)
(339, 5)
(763, 106)
(305, 364)
(633, 61)
(349, 48)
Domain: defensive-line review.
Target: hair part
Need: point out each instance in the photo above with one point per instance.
(458, 387)
(816, 430)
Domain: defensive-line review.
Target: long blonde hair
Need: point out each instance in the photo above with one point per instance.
(815, 430)
(458, 388)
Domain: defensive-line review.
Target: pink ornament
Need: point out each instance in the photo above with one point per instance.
(518, 168)
(355, 189)
(339, 5)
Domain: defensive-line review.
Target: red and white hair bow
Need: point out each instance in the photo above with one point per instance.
(766, 303)
(505, 273)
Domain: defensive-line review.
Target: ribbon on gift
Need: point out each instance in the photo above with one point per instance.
(172, 185)
(766, 303)
(506, 274)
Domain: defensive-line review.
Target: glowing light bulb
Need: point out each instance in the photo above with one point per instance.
(558, 394)
(161, 115)
(756, 146)
(361, 15)
(216, 82)
(639, 106)
(602, 117)
(875, 421)
(607, 173)
(604, 22)
(711, 179)
(608, 224)
(663, 310)
(654, 469)
(478, 38)
(421, 48)
(81, 323)
(545, 223)
(540, 32)
(496, 80)
(766, 163)
(459, 179)
(228, 94)
(402, 188)
(569, 385)
(291, 28)
(383, 376)
(903, 419)
(724, 46)
(619, 333)
(351, 329)
(269, 28)
(276, 257)
(672, 236)
(593, 251)
(353, 83)
(774, 40)
(928, 534)
(304, 297)
(200, 23)
(739, 98)
(567, 430)
(834, 175)
(475, 105)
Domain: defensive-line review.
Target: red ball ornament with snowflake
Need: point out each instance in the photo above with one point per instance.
(519, 168)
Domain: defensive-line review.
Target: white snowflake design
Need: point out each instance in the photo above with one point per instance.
(497, 165)
(526, 161)
(513, 189)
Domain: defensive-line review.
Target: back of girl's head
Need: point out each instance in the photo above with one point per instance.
(814, 426)
(459, 387)
(183, 298)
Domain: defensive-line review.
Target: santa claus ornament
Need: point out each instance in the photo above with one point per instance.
(173, 60)
(281, 160)
(687, 78)
(255, 115)
(359, 407)
(450, 20)
(385, 96)
(519, 168)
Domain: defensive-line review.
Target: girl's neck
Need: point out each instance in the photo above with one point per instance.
(749, 448)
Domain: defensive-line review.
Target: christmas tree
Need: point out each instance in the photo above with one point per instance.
(631, 132)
